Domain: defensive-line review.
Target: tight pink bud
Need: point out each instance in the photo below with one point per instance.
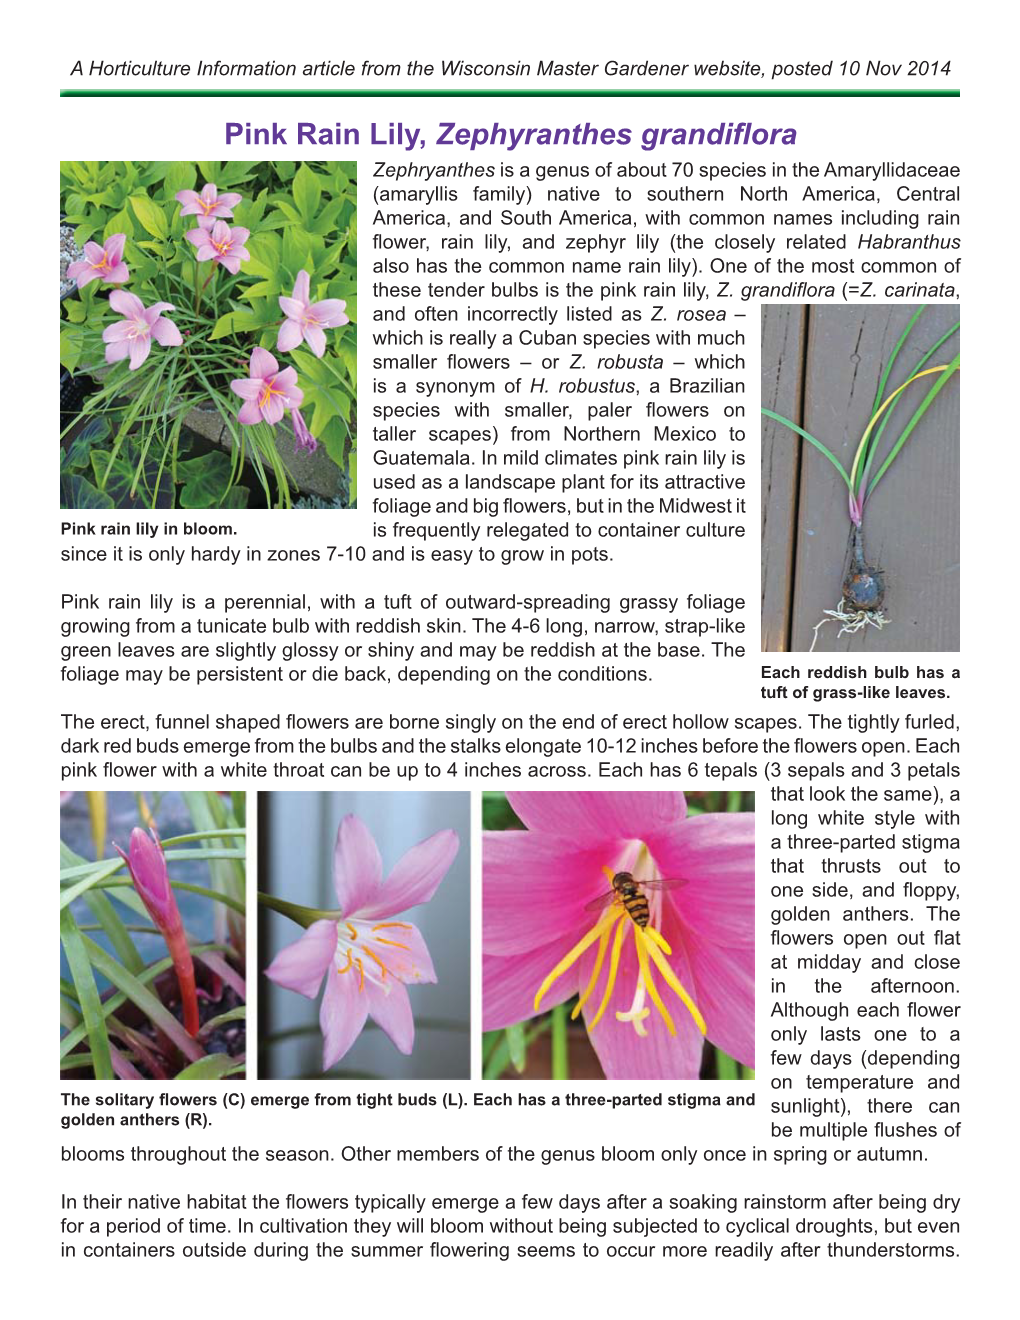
(147, 865)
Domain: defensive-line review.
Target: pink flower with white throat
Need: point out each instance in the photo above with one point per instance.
(132, 338)
(267, 391)
(649, 990)
(208, 204)
(308, 320)
(221, 244)
(104, 263)
(367, 958)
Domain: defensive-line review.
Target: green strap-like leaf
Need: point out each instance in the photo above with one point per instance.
(76, 949)
(929, 399)
(209, 1069)
(817, 443)
(142, 998)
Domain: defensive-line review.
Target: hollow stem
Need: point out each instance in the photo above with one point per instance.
(184, 967)
(560, 1044)
(304, 916)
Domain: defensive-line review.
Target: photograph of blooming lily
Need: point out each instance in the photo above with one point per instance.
(618, 936)
(364, 936)
(152, 960)
(208, 349)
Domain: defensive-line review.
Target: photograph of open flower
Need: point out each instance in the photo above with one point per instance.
(208, 344)
(618, 936)
(364, 936)
(152, 935)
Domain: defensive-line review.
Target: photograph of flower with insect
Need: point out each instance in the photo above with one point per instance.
(618, 936)
(861, 529)
(364, 936)
(152, 913)
(208, 334)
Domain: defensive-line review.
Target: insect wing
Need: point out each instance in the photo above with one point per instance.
(664, 883)
(602, 901)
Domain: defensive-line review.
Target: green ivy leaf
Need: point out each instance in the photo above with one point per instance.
(70, 346)
(307, 193)
(119, 223)
(296, 248)
(224, 326)
(206, 480)
(180, 175)
(151, 216)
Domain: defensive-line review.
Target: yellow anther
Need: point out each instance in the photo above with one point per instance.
(599, 960)
(568, 961)
(614, 964)
(670, 977)
(643, 948)
(369, 954)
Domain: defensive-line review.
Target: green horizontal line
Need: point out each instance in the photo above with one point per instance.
(535, 92)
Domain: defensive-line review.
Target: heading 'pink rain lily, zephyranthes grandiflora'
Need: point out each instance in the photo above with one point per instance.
(267, 391)
(366, 956)
(207, 204)
(133, 336)
(648, 996)
(307, 320)
(221, 244)
(147, 867)
(101, 263)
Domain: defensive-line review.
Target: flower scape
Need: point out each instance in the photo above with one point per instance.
(182, 297)
(367, 953)
(634, 911)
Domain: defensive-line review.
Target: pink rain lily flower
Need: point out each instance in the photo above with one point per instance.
(133, 336)
(267, 391)
(101, 263)
(367, 958)
(306, 320)
(206, 204)
(221, 244)
(303, 438)
(554, 926)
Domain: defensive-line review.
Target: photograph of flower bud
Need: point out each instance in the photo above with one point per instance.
(364, 936)
(618, 936)
(208, 334)
(152, 912)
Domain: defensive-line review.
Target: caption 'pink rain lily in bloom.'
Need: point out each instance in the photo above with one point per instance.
(147, 866)
(267, 391)
(307, 320)
(133, 336)
(206, 204)
(367, 957)
(551, 928)
(221, 244)
(101, 263)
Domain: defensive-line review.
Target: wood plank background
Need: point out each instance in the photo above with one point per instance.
(820, 367)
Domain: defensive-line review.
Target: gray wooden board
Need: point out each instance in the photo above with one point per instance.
(912, 523)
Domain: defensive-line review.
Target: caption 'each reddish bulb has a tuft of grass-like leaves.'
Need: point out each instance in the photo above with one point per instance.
(147, 867)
